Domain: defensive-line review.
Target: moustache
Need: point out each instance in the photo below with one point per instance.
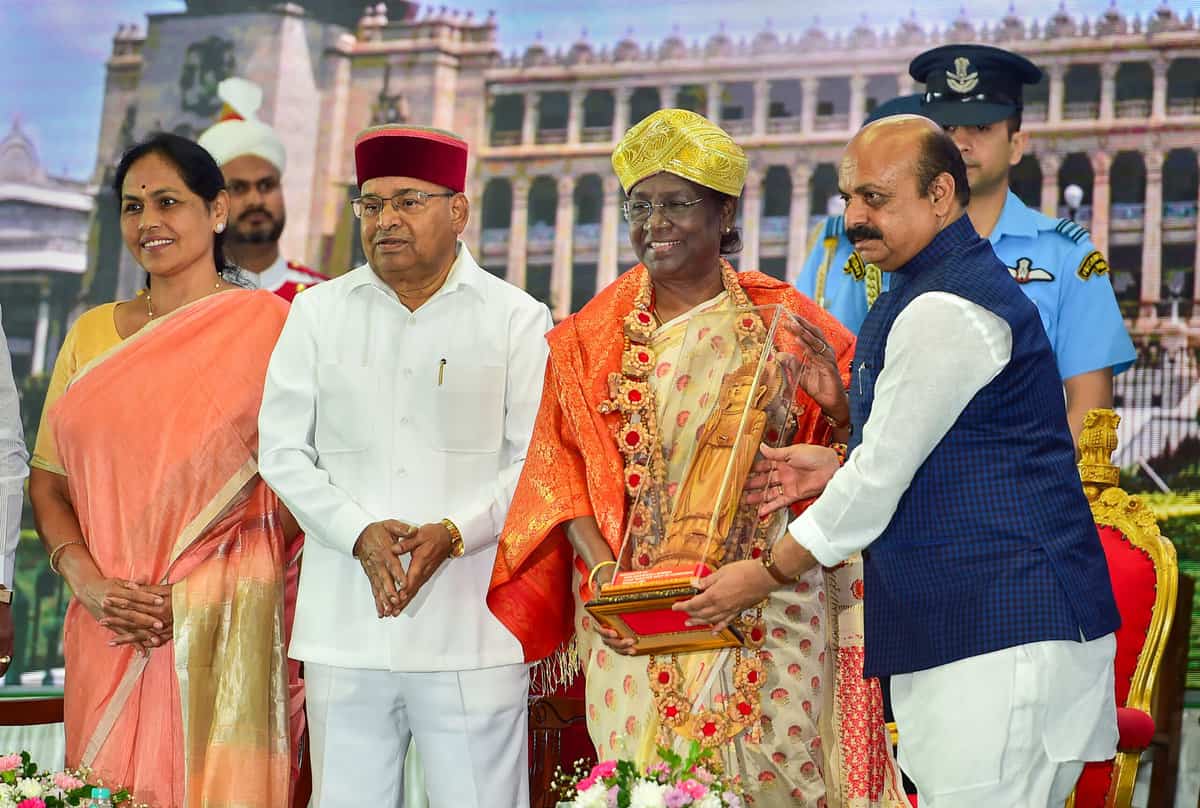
(862, 232)
(248, 213)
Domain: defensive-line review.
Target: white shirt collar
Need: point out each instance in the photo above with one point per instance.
(464, 273)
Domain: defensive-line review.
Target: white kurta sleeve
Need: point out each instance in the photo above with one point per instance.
(14, 466)
(287, 455)
(481, 521)
(941, 351)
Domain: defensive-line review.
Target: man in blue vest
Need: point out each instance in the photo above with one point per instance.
(975, 92)
(988, 599)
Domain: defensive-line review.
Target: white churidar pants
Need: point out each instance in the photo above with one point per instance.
(471, 728)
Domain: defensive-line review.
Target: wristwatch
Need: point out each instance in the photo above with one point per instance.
(768, 561)
(6, 595)
(456, 540)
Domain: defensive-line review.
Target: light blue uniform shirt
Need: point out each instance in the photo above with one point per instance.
(1056, 266)
(822, 279)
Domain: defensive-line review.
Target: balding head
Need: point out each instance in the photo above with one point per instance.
(903, 180)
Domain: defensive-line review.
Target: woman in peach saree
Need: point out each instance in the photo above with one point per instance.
(147, 496)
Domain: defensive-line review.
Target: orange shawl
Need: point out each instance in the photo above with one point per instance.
(573, 467)
(158, 438)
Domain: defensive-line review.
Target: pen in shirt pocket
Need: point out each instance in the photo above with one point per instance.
(441, 371)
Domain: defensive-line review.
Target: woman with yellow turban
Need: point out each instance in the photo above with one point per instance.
(762, 708)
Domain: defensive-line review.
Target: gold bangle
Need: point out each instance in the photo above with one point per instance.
(834, 423)
(456, 540)
(57, 550)
(592, 575)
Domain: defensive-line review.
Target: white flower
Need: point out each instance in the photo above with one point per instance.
(8, 792)
(647, 795)
(594, 797)
(7, 802)
(709, 800)
(30, 788)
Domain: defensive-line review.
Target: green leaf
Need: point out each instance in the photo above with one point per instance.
(669, 757)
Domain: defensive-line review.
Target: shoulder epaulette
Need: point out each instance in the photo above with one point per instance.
(835, 226)
(1072, 230)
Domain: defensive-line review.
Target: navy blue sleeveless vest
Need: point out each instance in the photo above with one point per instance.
(993, 544)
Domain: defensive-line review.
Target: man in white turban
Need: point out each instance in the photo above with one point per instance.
(252, 158)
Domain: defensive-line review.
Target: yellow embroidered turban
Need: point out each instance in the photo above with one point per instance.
(684, 144)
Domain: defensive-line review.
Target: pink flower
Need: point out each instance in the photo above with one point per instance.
(67, 781)
(703, 775)
(9, 762)
(32, 802)
(693, 789)
(585, 784)
(613, 794)
(676, 797)
(606, 769)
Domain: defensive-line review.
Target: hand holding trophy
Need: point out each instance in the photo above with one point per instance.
(735, 379)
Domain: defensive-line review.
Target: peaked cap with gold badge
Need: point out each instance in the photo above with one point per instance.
(972, 85)
(682, 143)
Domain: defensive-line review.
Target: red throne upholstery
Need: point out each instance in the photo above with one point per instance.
(1144, 577)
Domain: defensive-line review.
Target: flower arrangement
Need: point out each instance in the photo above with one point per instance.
(677, 781)
(24, 785)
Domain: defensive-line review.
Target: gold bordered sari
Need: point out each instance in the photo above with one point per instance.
(158, 440)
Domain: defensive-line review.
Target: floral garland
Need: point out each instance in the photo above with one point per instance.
(631, 397)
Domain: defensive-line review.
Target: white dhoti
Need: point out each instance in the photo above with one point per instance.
(470, 727)
(1009, 729)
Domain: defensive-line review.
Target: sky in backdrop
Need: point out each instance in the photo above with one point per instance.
(52, 52)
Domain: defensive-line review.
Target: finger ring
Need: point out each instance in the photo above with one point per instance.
(824, 347)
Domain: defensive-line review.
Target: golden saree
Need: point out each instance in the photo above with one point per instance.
(158, 439)
(573, 468)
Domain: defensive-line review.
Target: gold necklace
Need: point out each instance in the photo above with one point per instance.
(150, 309)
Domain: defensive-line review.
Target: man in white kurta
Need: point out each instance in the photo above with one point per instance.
(397, 411)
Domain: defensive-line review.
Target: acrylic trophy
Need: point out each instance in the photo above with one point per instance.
(730, 386)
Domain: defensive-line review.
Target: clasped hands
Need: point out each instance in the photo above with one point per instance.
(137, 614)
(379, 548)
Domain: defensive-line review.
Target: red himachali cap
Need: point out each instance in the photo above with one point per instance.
(433, 155)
